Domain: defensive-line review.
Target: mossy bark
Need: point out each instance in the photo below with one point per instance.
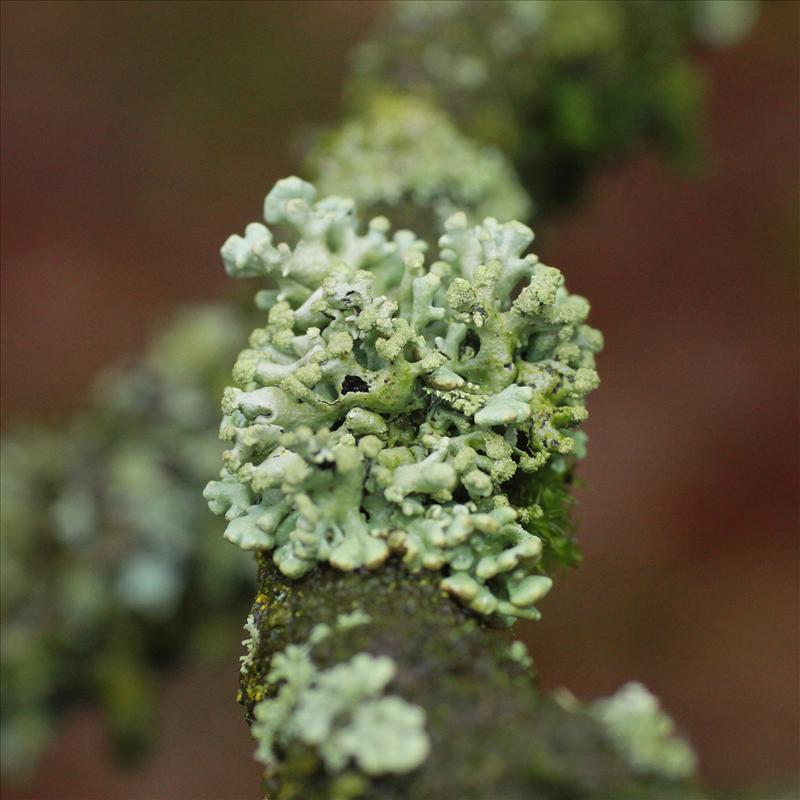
(493, 734)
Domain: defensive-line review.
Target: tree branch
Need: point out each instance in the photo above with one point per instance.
(493, 733)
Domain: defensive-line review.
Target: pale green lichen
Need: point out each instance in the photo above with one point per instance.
(559, 87)
(343, 712)
(387, 404)
(644, 734)
(723, 23)
(250, 644)
(354, 619)
(518, 652)
(100, 532)
(402, 152)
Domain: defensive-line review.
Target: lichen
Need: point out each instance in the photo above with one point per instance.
(560, 88)
(403, 153)
(342, 712)
(387, 404)
(722, 23)
(353, 619)
(101, 533)
(250, 644)
(518, 652)
(492, 732)
(644, 734)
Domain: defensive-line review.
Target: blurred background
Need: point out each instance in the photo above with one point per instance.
(137, 136)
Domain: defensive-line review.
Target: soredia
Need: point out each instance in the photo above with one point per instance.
(394, 404)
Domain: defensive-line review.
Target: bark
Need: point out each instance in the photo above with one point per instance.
(494, 735)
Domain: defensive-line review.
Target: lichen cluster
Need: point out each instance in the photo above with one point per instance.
(106, 554)
(560, 88)
(401, 155)
(388, 404)
(343, 713)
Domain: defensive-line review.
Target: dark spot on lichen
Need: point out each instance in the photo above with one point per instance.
(352, 383)
(471, 342)
(460, 494)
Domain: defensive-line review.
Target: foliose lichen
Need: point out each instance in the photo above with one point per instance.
(342, 712)
(403, 156)
(644, 734)
(722, 23)
(517, 651)
(391, 406)
(100, 533)
(353, 619)
(560, 88)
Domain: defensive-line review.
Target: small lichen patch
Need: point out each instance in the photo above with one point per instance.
(342, 712)
(353, 619)
(518, 652)
(250, 643)
(644, 734)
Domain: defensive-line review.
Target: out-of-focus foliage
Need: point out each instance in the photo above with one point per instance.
(108, 559)
(562, 88)
(644, 733)
(724, 22)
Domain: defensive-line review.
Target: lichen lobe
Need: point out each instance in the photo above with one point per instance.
(387, 403)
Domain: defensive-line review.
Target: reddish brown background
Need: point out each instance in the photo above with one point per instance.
(136, 137)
